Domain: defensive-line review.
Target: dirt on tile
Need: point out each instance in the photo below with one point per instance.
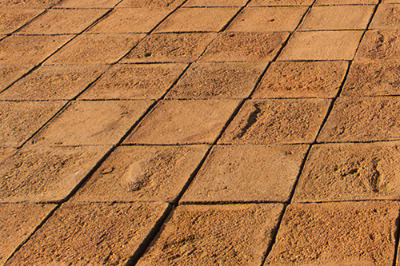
(217, 80)
(6, 152)
(350, 233)
(245, 46)
(386, 17)
(17, 222)
(9, 74)
(128, 20)
(46, 174)
(28, 3)
(184, 122)
(277, 121)
(301, 79)
(362, 119)
(214, 235)
(95, 48)
(170, 4)
(337, 17)
(92, 123)
(90, 234)
(322, 45)
(12, 19)
(377, 78)
(281, 2)
(88, 3)
(197, 19)
(53, 82)
(142, 174)
(20, 120)
(380, 44)
(183, 47)
(336, 172)
(135, 82)
(252, 173)
(29, 50)
(62, 21)
(264, 19)
(211, 3)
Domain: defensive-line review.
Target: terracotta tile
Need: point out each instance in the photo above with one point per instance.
(184, 122)
(346, 2)
(95, 48)
(264, 19)
(380, 44)
(46, 174)
(374, 78)
(206, 235)
(211, 3)
(88, 3)
(217, 80)
(169, 4)
(28, 4)
(8, 74)
(53, 82)
(390, 1)
(128, 20)
(245, 46)
(183, 47)
(301, 79)
(17, 50)
(20, 120)
(142, 174)
(135, 82)
(336, 172)
(322, 45)
(362, 119)
(6, 152)
(352, 233)
(337, 17)
(91, 122)
(197, 19)
(281, 2)
(12, 19)
(386, 17)
(252, 173)
(62, 21)
(90, 234)
(17, 222)
(277, 121)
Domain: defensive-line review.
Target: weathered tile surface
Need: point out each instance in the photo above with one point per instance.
(386, 17)
(87, 3)
(280, 2)
(9, 74)
(12, 19)
(346, 2)
(210, 3)
(168, 4)
(380, 44)
(28, 4)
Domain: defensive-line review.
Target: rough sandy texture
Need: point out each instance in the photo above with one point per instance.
(280, 2)
(347, 2)
(168, 4)
(380, 44)
(87, 3)
(28, 3)
(387, 17)
(205, 235)
(210, 3)
(12, 19)
(6, 152)
(8, 74)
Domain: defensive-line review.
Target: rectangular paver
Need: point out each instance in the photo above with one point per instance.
(12, 19)
(28, 4)
(346, 2)
(214, 3)
(281, 2)
(8, 74)
(379, 44)
(168, 4)
(386, 17)
(87, 4)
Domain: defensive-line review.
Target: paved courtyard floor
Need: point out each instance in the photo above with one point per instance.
(199, 132)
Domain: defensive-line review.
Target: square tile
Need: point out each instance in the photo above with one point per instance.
(247, 173)
(346, 2)
(91, 234)
(135, 173)
(245, 46)
(134, 82)
(20, 120)
(197, 19)
(386, 17)
(276, 121)
(95, 48)
(62, 21)
(347, 233)
(183, 122)
(17, 222)
(17, 50)
(380, 44)
(337, 18)
(210, 3)
(87, 3)
(322, 45)
(92, 122)
(362, 119)
(376, 78)
(28, 4)
(8, 74)
(337, 172)
(320, 79)
(217, 80)
(280, 2)
(183, 47)
(128, 20)
(53, 82)
(264, 19)
(168, 4)
(12, 19)
(46, 174)
(206, 235)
